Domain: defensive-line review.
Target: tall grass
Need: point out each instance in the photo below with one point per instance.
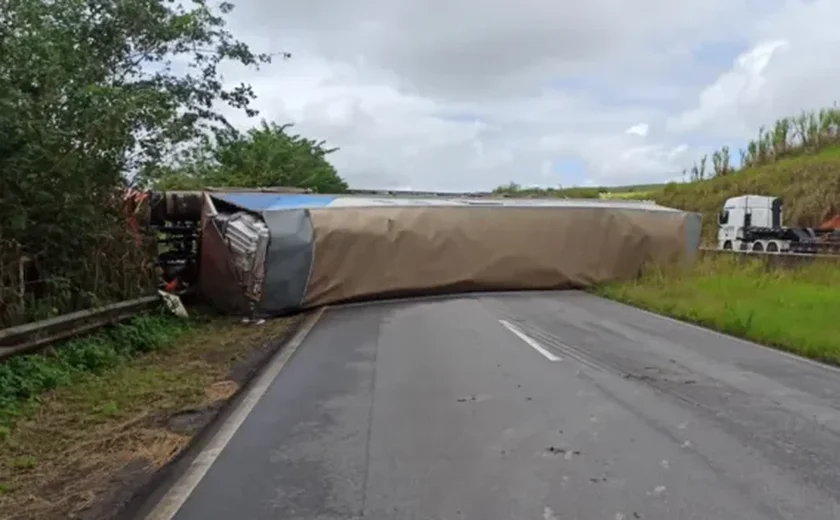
(797, 159)
(807, 133)
(809, 186)
(769, 160)
(792, 309)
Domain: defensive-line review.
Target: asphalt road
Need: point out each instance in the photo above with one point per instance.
(549, 406)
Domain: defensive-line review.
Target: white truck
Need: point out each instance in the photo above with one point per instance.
(754, 223)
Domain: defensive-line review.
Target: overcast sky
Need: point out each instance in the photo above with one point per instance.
(470, 94)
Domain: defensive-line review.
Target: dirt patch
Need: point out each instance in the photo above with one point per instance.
(245, 367)
(221, 390)
(119, 489)
(190, 422)
(88, 448)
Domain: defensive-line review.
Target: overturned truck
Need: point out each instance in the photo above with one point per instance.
(266, 254)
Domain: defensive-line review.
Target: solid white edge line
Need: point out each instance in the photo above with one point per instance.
(530, 341)
(175, 497)
(774, 350)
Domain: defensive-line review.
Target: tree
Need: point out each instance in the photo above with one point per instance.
(264, 156)
(88, 99)
(510, 188)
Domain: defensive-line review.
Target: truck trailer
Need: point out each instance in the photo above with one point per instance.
(754, 223)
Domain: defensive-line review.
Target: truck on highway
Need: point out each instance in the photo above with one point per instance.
(754, 223)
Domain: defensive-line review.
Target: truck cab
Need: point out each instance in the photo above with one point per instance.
(740, 219)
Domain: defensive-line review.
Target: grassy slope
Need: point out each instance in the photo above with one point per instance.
(809, 186)
(795, 310)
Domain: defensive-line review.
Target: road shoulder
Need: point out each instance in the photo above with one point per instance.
(93, 448)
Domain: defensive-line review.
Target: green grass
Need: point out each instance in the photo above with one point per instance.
(809, 186)
(808, 183)
(791, 309)
(75, 419)
(24, 378)
(636, 191)
(614, 194)
(797, 159)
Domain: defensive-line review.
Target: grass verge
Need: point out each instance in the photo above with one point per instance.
(791, 309)
(85, 427)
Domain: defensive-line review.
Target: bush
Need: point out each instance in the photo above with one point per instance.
(81, 112)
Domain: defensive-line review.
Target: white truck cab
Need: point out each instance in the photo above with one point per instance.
(748, 212)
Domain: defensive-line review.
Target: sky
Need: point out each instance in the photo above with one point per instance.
(461, 95)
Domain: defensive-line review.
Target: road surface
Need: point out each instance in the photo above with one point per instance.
(549, 406)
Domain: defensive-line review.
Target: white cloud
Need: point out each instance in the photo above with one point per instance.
(473, 94)
(790, 66)
(743, 86)
(640, 129)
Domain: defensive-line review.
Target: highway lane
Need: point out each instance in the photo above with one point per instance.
(529, 406)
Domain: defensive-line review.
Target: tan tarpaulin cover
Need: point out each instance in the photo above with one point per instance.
(365, 252)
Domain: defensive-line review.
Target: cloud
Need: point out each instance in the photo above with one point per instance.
(640, 129)
(473, 94)
(789, 67)
(743, 86)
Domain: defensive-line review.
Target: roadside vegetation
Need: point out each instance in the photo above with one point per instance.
(100, 97)
(266, 155)
(794, 309)
(91, 105)
(84, 427)
(797, 159)
(23, 379)
(639, 191)
(809, 185)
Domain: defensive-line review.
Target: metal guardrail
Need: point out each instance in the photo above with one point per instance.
(30, 337)
(781, 260)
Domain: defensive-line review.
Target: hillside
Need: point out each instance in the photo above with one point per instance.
(809, 186)
(798, 159)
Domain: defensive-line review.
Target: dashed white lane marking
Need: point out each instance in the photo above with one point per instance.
(530, 341)
(184, 486)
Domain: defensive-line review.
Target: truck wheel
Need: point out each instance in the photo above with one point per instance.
(727, 246)
(772, 247)
(758, 247)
